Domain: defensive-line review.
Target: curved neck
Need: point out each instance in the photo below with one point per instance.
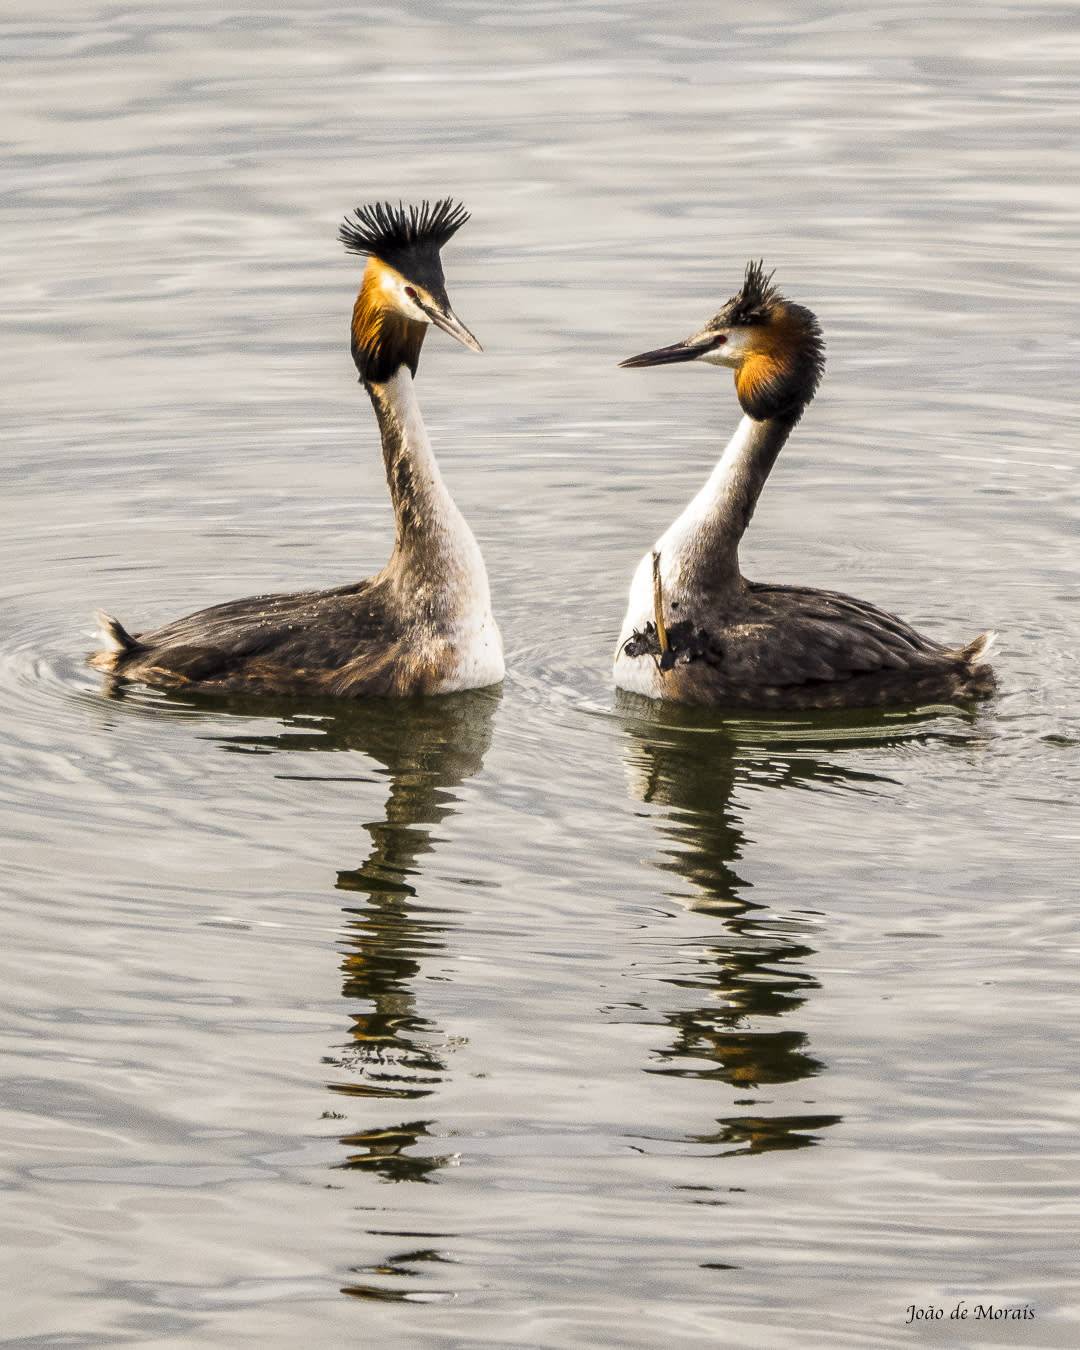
(700, 551)
(434, 549)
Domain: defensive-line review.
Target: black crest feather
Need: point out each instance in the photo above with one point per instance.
(757, 296)
(396, 233)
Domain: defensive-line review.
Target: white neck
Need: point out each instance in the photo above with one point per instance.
(437, 574)
(700, 550)
(434, 548)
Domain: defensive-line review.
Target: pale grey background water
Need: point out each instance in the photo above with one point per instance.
(527, 1020)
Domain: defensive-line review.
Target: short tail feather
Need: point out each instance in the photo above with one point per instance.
(975, 652)
(115, 636)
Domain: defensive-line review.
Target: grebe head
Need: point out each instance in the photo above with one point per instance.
(403, 290)
(774, 346)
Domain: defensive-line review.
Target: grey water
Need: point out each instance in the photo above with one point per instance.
(531, 1017)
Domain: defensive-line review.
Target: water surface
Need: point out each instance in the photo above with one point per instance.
(535, 1017)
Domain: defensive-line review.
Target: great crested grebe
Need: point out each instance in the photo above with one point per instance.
(696, 631)
(422, 625)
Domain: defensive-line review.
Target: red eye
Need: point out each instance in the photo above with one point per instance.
(720, 340)
(410, 292)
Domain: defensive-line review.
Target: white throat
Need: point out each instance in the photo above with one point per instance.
(437, 568)
(703, 527)
(699, 552)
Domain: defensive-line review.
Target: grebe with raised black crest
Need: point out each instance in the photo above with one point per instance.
(423, 625)
(696, 630)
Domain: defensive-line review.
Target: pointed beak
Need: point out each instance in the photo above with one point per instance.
(442, 316)
(688, 350)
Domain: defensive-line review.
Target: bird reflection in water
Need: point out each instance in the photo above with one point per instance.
(428, 747)
(752, 968)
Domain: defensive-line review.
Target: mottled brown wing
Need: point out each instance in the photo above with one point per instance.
(789, 646)
(794, 635)
(266, 642)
